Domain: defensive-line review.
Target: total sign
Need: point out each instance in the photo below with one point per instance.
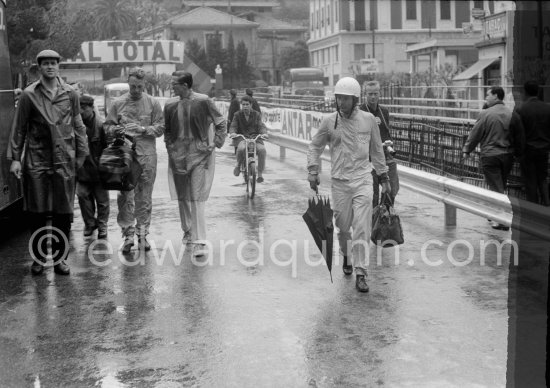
(124, 51)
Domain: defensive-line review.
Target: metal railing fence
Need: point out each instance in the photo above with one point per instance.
(435, 146)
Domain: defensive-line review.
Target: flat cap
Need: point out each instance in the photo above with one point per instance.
(86, 99)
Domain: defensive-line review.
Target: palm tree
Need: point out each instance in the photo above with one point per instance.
(113, 17)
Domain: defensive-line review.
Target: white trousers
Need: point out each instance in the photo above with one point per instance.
(352, 205)
(193, 219)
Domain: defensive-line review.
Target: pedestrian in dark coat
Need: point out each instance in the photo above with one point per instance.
(499, 132)
(535, 116)
(234, 106)
(48, 145)
(91, 195)
(255, 105)
(382, 117)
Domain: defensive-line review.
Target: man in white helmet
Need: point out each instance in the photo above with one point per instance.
(354, 138)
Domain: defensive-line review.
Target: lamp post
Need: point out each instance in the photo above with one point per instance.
(274, 80)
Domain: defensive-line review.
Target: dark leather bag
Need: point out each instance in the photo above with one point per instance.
(119, 168)
(386, 225)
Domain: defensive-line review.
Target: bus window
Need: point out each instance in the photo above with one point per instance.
(304, 81)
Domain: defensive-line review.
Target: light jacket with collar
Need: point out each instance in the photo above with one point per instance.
(353, 141)
(146, 112)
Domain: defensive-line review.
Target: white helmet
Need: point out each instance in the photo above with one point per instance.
(348, 86)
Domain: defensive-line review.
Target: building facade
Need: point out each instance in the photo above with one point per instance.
(264, 36)
(234, 6)
(402, 35)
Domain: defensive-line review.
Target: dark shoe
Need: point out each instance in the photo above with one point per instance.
(347, 267)
(102, 236)
(88, 231)
(496, 225)
(186, 237)
(237, 170)
(260, 179)
(62, 268)
(36, 268)
(128, 244)
(143, 243)
(361, 283)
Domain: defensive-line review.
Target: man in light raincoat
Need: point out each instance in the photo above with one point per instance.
(194, 127)
(354, 138)
(139, 115)
(48, 144)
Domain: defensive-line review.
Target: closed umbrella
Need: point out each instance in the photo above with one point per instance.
(318, 218)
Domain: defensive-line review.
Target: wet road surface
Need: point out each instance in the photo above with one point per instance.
(261, 310)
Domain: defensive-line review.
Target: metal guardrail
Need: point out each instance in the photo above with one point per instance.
(534, 219)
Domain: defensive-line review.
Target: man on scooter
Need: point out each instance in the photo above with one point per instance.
(248, 123)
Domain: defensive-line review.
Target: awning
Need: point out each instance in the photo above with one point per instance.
(474, 70)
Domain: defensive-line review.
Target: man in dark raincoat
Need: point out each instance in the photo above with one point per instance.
(49, 129)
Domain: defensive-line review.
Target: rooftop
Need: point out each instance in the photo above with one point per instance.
(203, 17)
(234, 3)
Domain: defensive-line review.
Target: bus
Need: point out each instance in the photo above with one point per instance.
(306, 81)
(11, 196)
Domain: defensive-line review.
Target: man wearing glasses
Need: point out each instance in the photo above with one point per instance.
(194, 127)
(140, 116)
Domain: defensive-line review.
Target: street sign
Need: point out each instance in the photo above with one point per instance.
(369, 66)
(478, 13)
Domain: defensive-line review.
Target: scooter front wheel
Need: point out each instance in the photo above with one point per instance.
(252, 178)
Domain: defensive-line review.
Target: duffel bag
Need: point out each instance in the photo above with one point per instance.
(119, 168)
(386, 225)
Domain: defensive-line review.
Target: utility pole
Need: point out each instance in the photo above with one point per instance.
(232, 65)
(274, 80)
(373, 41)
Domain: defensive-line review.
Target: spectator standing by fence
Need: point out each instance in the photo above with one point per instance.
(535, 117)
(382, 116)
(499, 132)
(255, 105)
(234, 106)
